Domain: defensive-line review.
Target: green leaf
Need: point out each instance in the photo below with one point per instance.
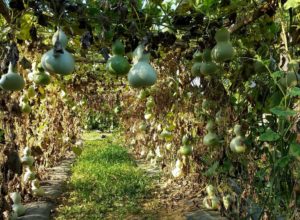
(283, 162)
(26, 22)
(212, 170)
(291, 4)
(295, 150)
(295, 91)
(269, 135)
(281, 111)
(277, 74)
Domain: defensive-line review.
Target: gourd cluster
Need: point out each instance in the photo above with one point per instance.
(205, 63)
(211, 139)
(213, 202)
(57, 60)
(140, 75)
(30, 176)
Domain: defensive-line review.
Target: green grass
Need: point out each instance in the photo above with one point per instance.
(105, 182)
(91, 135)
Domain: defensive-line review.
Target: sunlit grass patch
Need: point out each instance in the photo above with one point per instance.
(105, 181)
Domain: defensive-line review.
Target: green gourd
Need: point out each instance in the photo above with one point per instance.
(223, 51)
(27, 159)
(40, 77)
(118, 48)
(211, 202)
(211, 138)
(220, 119)
(141, 73)
(17, 207)
(28, 175)
(62, 38)
(196, 68)
(36, 189)
(186, 150)
(210, 189)
(59, 63)
(12, 81)
(208, 67)
(25, 107)
(237, 144)
(118, 64)
(185, 140)
(30, 92)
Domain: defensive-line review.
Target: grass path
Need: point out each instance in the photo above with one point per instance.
(105, 182)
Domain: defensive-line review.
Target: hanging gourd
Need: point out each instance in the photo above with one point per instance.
(58, 60)
(211, 138)
(186, 149)
(211, 201)
(118, 64)
(29, 175)
(25, 107)
(223, 51)
(40, 77)
(196, 68)
(61, 36)
(220, 119)
(24, 104)
(27, 159)
(36, 189)
(178, 169)
(12, 81)
(227, 200)
(17, 207)
(30, 92)
(237, 144)
(185, 140)
(141, 73)
(208, 67)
